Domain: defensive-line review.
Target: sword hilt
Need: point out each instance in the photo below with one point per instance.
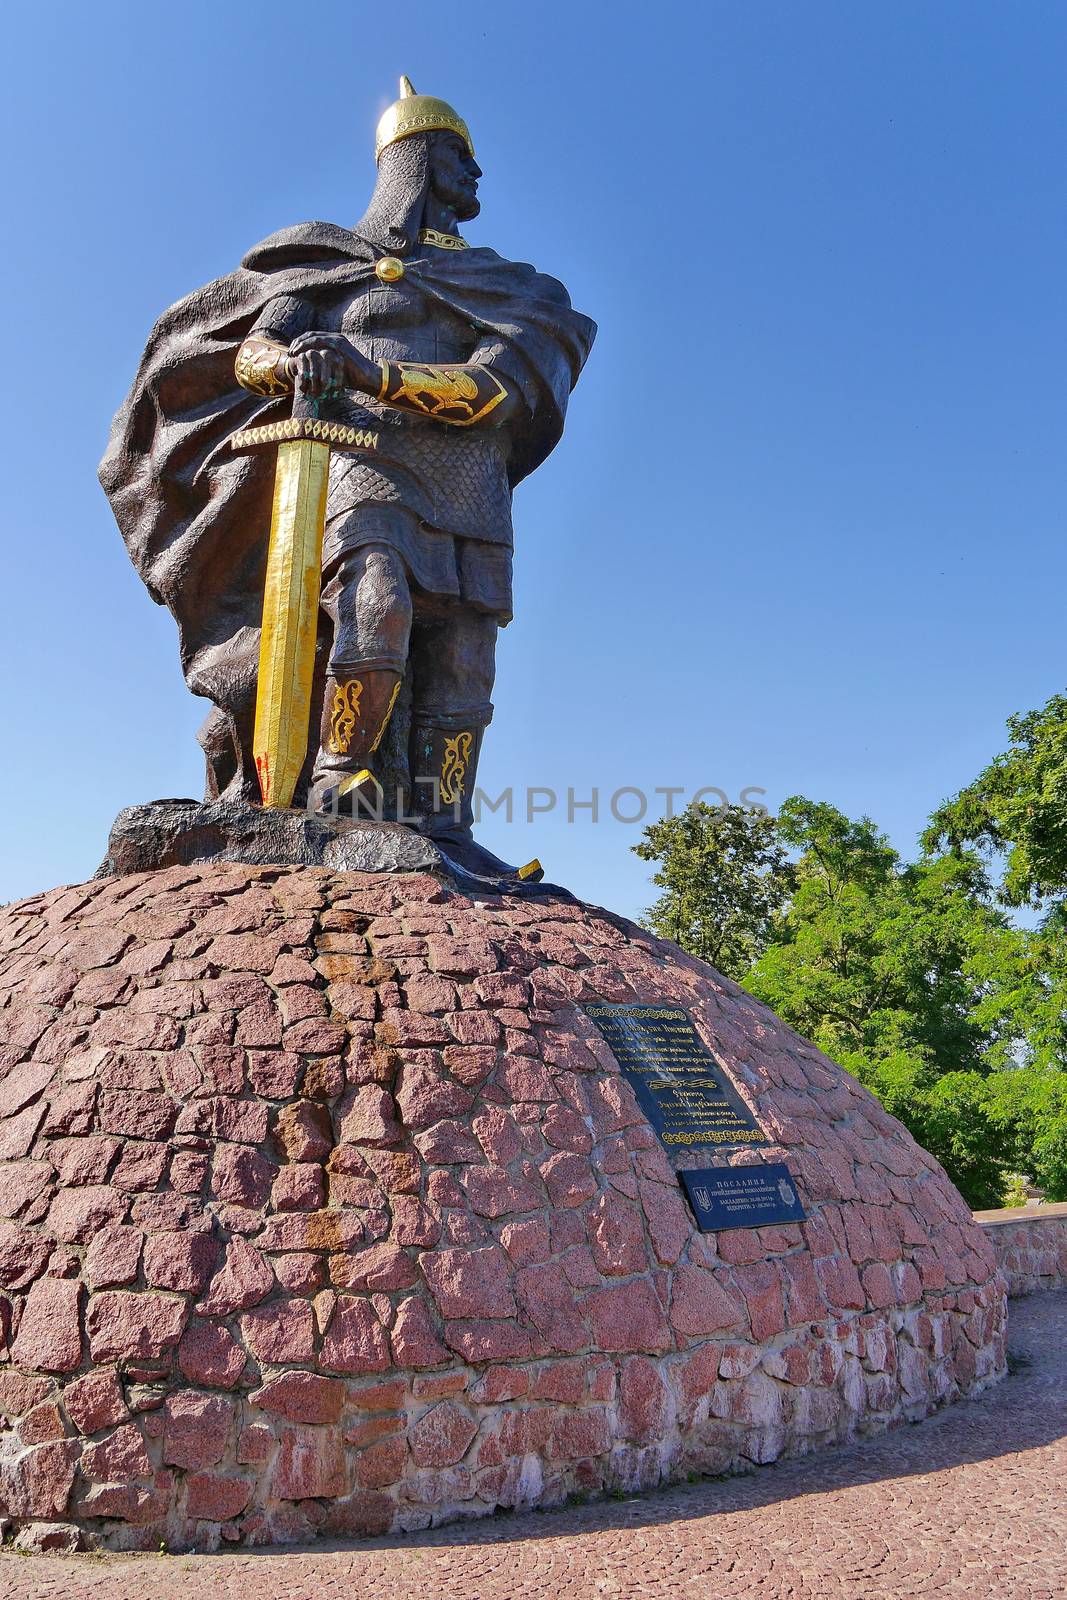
(305, 423)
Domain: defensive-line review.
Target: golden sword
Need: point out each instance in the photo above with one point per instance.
(291, 591)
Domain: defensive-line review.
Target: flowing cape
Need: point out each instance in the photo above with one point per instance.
(195, 516)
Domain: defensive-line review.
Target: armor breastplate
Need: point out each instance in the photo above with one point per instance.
(453, 480)
(389, 323)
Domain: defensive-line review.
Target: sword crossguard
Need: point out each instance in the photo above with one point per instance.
(338, 434)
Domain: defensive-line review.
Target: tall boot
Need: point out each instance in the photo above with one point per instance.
(445, 747)
(356, 708)
(444, 765)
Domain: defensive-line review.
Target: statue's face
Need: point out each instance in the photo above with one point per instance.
(454, 175)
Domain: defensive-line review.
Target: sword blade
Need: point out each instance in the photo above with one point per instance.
(290, 618)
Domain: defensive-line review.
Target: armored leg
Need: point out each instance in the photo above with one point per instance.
(454, 662)
(367, 599)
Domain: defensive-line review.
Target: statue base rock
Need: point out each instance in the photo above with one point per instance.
(181, 833)
(325, 1209)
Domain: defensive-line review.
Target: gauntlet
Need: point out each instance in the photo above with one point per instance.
(461, 395)
(456, 394)
(260, 367)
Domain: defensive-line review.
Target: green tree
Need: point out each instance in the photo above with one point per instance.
(1017, 808)
(723, 875)
(909, 975)
(876, 959)
(1015, 812)
(1029, 1107)
(958, 1118)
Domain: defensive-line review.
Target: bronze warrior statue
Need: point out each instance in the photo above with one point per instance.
(385, 387)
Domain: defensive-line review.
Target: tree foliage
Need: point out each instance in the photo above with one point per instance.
(1017, 808)
(723, 875)
(873, 958)
(910, 974)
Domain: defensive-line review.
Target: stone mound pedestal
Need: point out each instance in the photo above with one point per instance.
(325, 1208)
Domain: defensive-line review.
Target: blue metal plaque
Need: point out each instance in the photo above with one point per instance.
(682, 1089)
(743, 1197)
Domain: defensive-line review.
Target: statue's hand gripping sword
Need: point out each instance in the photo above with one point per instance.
(291, 592)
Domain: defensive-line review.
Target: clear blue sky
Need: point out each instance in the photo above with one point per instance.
(806, 527)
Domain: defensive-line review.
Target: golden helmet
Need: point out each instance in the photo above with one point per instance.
(417, 113)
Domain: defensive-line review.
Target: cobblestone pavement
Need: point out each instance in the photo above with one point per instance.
(970, 1503)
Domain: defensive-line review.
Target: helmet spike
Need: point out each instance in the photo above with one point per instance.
(407, 88)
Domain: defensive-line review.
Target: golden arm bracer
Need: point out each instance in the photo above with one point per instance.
(457, 394)
(260, 367)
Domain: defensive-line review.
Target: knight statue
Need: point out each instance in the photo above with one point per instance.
(314, 472)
